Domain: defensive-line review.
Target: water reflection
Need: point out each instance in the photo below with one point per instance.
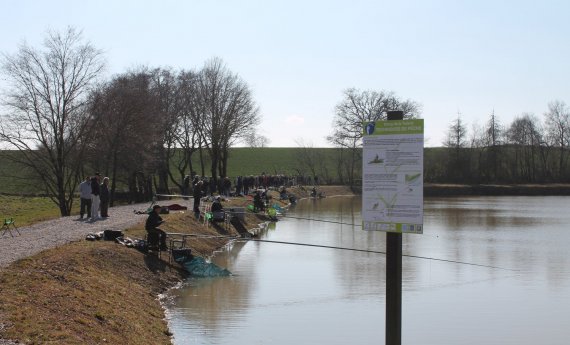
(283, 294)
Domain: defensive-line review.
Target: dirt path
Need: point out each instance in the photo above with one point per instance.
(57, 232)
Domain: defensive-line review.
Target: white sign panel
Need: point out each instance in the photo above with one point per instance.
(392, 176)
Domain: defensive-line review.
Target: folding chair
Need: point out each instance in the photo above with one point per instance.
(8, 225)
(206, 213)
(153, 242)
(176, 244)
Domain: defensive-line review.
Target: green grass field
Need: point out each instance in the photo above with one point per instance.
(28, 210)
(15, 179)
(271, 160)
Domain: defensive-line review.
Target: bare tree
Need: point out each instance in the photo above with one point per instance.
(164, 91)
(358, 107)
(557, 121)
(493, 131)
(365, 106)
(188, 109)
(456, 134)
(492, 142)
(254, 139)
(456, 140)
(124, 112)
(229, 112)
(476, 145)
(47, 101)
(308, 157)
(525, 137)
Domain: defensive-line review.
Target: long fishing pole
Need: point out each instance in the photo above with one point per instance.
(321, 220)
(341, 248)
(175, 195)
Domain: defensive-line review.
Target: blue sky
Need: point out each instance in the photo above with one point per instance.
(471, 57)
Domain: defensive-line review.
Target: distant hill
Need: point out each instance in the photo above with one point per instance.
(472, 167)
(243, 161)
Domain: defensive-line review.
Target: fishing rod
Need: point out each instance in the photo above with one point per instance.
(321, 220)
(341, 248)
(175, 195)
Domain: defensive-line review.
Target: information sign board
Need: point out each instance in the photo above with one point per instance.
(392, 176)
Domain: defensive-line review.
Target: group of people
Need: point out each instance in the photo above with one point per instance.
(242, 185)
(95, 197)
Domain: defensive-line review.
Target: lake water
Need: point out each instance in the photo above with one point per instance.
(286, 294)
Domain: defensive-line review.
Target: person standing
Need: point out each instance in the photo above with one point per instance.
(227, 186)
(186, 187)
(95, 192)
(239, 185)
(197, 196)
(85, 198)
(105, 196)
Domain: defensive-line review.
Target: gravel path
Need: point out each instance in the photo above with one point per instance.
(57, 232)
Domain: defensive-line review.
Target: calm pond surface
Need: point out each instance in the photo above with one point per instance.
(286, 294)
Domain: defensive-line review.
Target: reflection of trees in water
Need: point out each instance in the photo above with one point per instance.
(472, 230)
(510, 232)
(457, 218)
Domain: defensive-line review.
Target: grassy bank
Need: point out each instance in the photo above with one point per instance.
(28, 210)
(85, 293)
(102, 292)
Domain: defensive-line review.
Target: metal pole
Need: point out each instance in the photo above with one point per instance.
(394, 275)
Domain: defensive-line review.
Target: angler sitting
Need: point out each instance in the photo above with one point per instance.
(151, 226)
(258, 204)
(217, 209)
(283, 193)
(314, 192)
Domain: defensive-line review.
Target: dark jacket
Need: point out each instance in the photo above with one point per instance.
(197, 193)
(104, 193)
(217, 206)
(153, 221)
(95, 189)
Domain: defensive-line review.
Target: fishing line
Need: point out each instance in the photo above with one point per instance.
(377, 252)
(322, 220)
(336, 247)
(340, 248)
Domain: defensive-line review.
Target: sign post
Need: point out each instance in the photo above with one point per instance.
(392, 198)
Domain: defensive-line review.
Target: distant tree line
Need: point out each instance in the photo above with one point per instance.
(67, 122)
(530, 149)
